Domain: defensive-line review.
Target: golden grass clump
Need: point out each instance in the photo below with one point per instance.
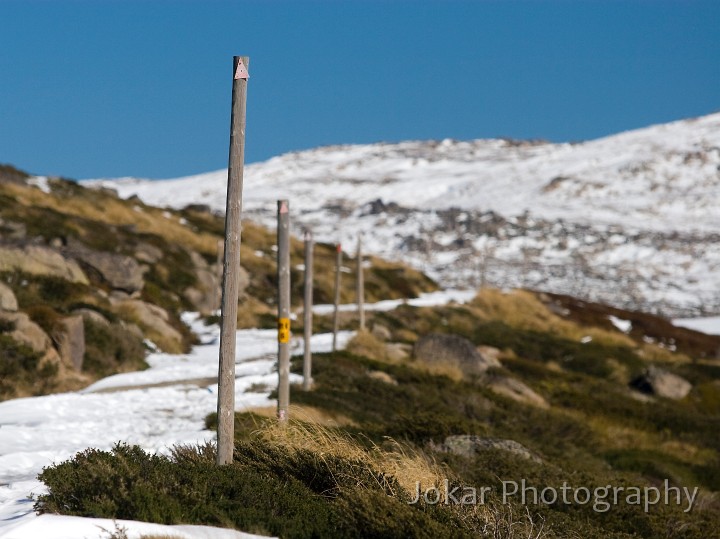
(407, 465)
(523, 310)
(653, 353)
(366, 344)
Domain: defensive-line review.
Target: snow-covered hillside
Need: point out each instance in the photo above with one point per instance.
(629, 219)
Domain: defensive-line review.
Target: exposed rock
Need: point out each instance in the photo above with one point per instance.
(397, 351)
(70, 340)
(439, 348)
(382, 377)
(8, 301)
(657, 381)
(154, 322)
(490, 352)
(38, 260)
(199, 208)
(243, 282)
(10, 174)
(12, 230)
(381, 332)
(118, 271)
(468, 445)
(150, 254)
(26, 331)
(205, 295)
(93, 316)
(516, 390)
(108, 191)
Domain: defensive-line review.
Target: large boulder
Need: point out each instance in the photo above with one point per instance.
(8, 301)
(120, 272)
(38, 260)
(657, 381)
(468, 445)
(515, 390)
(205, 294)
(147, 253)
(26, 331)
(453, 349)
(153, 320)
(69, 337)
(12, 230)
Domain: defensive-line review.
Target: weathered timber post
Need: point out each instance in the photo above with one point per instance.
(220, 256)
(336, 319)
(360, 285)
(231, 265)
(283, 275)
(307, 312)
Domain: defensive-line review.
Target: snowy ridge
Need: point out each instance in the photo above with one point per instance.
(641, 205)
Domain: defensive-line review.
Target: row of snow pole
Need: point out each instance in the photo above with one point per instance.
(231, 281)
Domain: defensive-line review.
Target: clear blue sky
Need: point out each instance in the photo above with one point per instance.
(114, 88)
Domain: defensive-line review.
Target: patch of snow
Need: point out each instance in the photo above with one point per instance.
(623, 325)
(709, 325)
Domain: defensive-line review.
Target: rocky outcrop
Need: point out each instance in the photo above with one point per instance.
(205, 294)
(657, 381)
(93, 316)
(12, 230)
(439, 348)
(120, 272)
(69, 337)
(515, 390)
(8, 301)
(38, 260)
(153, 320)
(468, 445)
(26, 331)
(381, 332)
(147, 253)
(397, 351)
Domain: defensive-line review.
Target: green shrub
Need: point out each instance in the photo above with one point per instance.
(265, 490)
(111, 348)
(18, 367)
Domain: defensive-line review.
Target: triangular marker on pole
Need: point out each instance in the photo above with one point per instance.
(241, 71)
(283, 207)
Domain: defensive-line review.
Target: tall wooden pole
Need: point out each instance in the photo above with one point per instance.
(307, 311)
(336, 319)
(283, 275)
(360, 285)
(220, 256)
(231, 264)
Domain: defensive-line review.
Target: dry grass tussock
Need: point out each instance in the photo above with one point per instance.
(405, 464)
(366, 344)
(523, 310)
(308, 414)
(652, 353)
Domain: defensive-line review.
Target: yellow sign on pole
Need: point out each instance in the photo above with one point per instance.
(283, 330)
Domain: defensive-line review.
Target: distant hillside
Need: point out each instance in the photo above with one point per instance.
(628, 219)
(89, 282)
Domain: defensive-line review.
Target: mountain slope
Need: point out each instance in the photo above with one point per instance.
(634, 211)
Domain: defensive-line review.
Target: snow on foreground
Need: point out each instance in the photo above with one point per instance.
(162, 406)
